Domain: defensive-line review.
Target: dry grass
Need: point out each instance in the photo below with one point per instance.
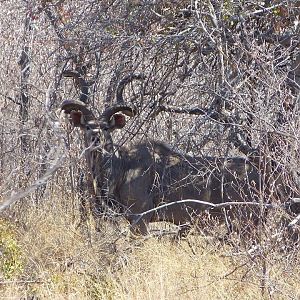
(56, 260)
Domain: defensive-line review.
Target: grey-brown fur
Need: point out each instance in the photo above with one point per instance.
(150, 174)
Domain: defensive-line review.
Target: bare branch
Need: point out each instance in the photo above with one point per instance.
(41, 181)
(209, 205)
(56, 164)
(81, 82)
(181, 110)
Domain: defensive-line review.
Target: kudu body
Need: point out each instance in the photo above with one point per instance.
(149, 174)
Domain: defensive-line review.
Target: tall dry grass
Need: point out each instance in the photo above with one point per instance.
(48, 257)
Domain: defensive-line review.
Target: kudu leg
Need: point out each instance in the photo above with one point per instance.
(140, 225)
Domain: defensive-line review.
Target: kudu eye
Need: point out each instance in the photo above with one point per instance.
(104, 126)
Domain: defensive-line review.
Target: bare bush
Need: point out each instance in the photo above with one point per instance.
(234, 63)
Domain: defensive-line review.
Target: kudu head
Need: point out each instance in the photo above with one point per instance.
(97, 130)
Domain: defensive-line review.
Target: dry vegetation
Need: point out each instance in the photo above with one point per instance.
(238, 61)
(44, 256)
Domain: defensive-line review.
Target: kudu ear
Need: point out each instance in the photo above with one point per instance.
(76, 118)
(117, 121)
(111, 119)
(80, 115)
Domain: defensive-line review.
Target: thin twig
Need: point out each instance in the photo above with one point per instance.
(294, 222)
(21, 282)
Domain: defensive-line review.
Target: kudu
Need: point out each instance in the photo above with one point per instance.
(149, 174)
